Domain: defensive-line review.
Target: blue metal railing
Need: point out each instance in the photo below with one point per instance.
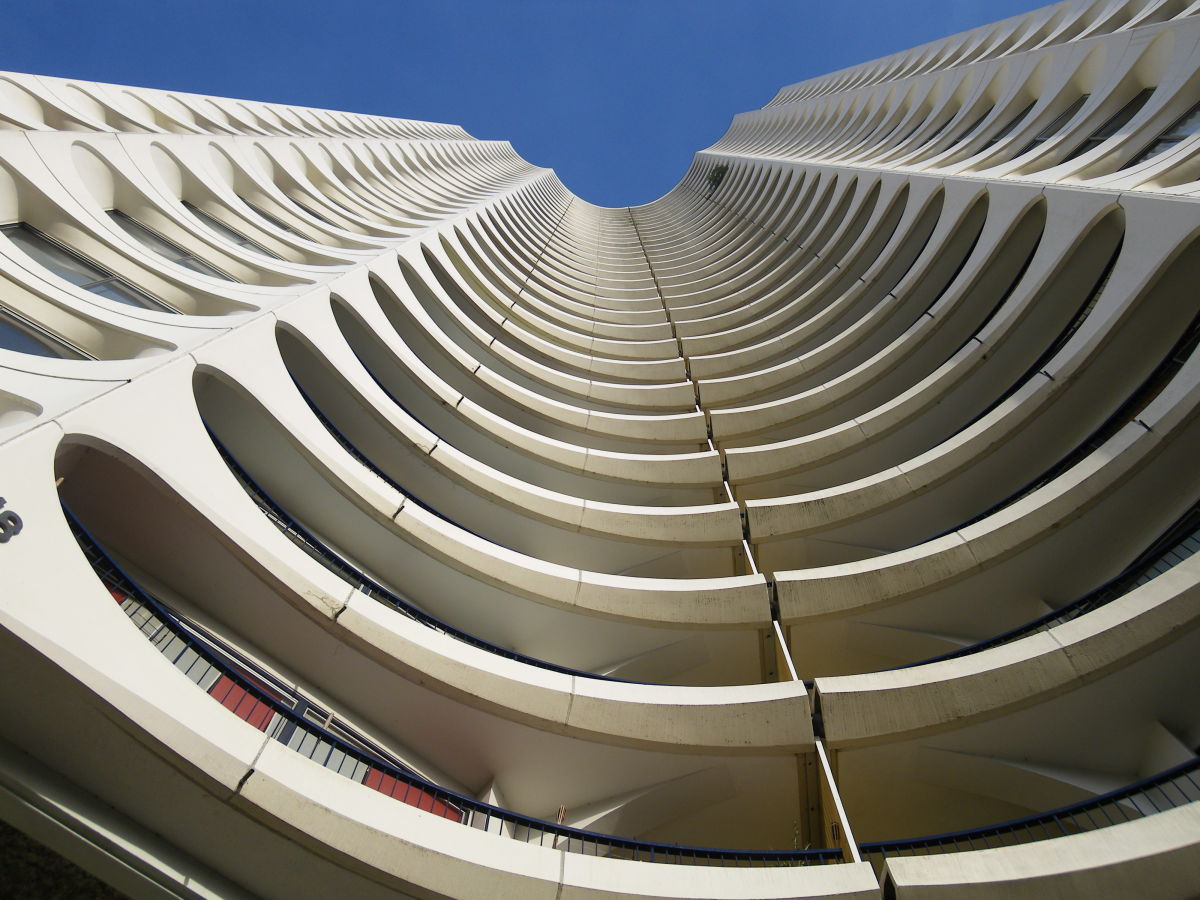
(1174, 787)
(252, 693)
(354, 576)
(273, 710)
(270, 706)
(340, 436)
(1004, 297)
(1178, 538)
(1081, 315)
(1107, 592)
(1150, 387)
(1179, 542)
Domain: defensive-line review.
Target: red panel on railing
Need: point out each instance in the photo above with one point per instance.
(407, 793)
(233, 697)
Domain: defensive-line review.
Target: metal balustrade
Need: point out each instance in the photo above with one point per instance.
(1127, 412)
(1174, 787)
(349, 573)
(253, 694)
(285, 715)
(340, 436)
(1081, 315)
(1179, 542)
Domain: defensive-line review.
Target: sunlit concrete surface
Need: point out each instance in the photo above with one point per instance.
(824, 528)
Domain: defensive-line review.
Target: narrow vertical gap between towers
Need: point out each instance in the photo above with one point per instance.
(835, 824)
(747, 549)
(775, 652)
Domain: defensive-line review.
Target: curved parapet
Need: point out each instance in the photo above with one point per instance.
(377, 518)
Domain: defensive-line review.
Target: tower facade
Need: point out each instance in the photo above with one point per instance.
(380, 519)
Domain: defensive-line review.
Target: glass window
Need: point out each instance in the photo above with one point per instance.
(931, 137)
(1183, 128)
(1057, 125)
(19, 334)
(1009, 128)
(970, 129)
(1114, 124)
(66, 263)
(315, 215)
(228, 233)
(55, 257)
(270, 218)
(156, 243)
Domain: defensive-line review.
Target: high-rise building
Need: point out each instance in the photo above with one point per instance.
(381, 519)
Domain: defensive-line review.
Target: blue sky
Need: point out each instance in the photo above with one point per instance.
(615, 95)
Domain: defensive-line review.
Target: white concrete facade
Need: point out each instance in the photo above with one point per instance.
(824, 528)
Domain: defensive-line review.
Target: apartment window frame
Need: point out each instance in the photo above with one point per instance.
(164, 247)
(314, 214)
(1167, 140)
(216, 225)
(1113, 123)
(107, 284)
(56, 347)
(1010, 127)
(278, 223)
(973, 127)
(1057, 124)
(931, 138)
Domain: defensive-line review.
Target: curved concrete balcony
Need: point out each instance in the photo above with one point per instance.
(844, 497)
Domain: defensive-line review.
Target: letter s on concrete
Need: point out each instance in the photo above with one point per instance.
(10, 524)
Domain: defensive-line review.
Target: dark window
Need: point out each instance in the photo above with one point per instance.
(931, 137)
(315, 215)
(270, 218)
(1057, 125)
(66, 263)
(1183, 127)
(169, 250)
(1114, 124)
(215, 224)
(970, 129)
(1009, 128)
(19, 334)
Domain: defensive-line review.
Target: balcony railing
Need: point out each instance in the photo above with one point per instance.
(1174, 787)
(255, 695)
(338, 435)
(284, 715)
(326, 556)
(1178, 543)
(1127, 412)
(274, 708)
